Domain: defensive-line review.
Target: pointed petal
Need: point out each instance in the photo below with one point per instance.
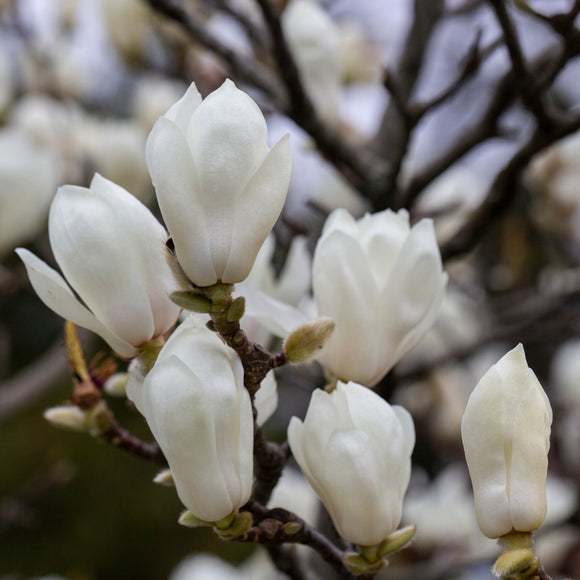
(56, 294)
(180, 113)
(342, 280)
(227, 136)
(174, 175)
(257, 210)
(87, 235)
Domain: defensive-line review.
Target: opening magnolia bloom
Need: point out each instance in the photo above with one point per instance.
(379, 279)
(382, 282)
(219, 187)
(355, 451)
(112, 251)
(506, 436)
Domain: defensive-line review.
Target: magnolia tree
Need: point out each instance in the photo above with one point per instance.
(243, 285)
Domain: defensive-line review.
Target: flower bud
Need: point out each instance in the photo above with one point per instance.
(219, 187)
(506, 437)
(199, 411)
(67, 417)
(382, 283)
(303, 344)
(355, 451)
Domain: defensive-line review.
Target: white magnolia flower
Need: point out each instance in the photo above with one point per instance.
(29, 174)
(355, 451)
(506, 436)
(382, 282)
(220, 188)
(200, 413)
(315, 42)
(111, 250)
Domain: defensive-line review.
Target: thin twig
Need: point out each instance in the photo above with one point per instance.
(356, 164)
(243, 68)
(271, 528)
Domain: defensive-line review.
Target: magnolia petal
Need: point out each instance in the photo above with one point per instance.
(144, 244)
(257, 210)
(350, 353)
(177, 192)
(178, 420)
(484, 439)
(180, 113)
(85, 231)
(266, 399)
(56, 294)
(279, 318)
(355, 501)
(295, 278)
(227, 137)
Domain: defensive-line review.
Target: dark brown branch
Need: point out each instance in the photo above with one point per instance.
(246, 70)
(471, 64)
(392, 139)
(531, 97)
(254, 32)
(270, 458)
(359, 166)
(501, 194)
(117, 436)
(272, 529)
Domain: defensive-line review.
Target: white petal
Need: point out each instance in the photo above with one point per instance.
(279, 318)
(257, 209)
(56, 294)
(87, 236)
(181, 112)
(174, 176)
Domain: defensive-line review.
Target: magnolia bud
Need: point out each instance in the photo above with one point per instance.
(303, 344)
(506, 436)
(111, 249)
(200, 413)
(67, 417)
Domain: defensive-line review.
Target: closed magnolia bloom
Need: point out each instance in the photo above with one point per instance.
(219, 187)
(355, 451)
(506, 436)
(112, 252)
(199, 411)
(382, 282)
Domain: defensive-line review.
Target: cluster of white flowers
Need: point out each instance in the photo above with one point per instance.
(221, 189)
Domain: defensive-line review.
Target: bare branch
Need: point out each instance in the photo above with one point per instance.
(501, 194)
(357, 165)
(249, 71)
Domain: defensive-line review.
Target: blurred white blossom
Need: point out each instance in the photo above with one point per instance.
(314, 40)
(29, 175)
